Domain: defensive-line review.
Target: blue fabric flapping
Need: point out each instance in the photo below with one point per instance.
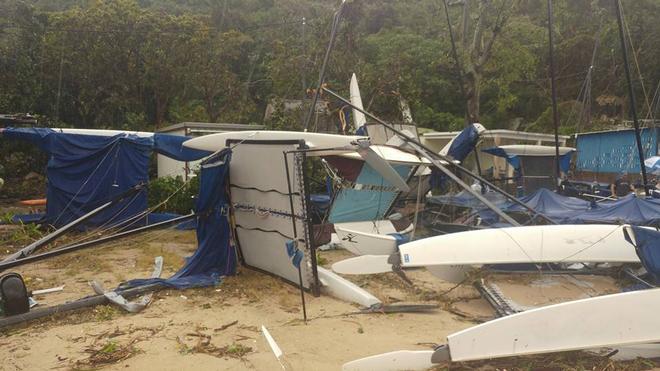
(647, 246)
(400, 238)
(215, 256)
(294, 253)
(172, 147)
(464, 143)
(85, 171)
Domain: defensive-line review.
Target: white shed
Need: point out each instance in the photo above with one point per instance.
(170, 167)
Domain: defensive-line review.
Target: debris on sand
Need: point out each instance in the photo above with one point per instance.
(203, 345)
(109, 353)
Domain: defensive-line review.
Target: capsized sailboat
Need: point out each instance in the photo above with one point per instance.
(627, 322)
(529, 244)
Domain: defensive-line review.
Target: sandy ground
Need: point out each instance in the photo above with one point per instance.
(219, 328)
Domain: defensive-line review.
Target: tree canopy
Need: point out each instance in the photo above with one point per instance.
(140, 64)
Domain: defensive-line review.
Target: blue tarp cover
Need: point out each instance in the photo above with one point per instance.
(464, 143)
(551, 204)
(614, 151)
(570, 210)
(459, 150)
(648, 249)
(629, 210)
(215, 256)
(466, 199)
(84, 171)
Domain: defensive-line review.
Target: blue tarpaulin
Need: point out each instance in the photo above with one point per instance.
(627, 210)
(551, 204)
(466, 199)
(571, 210)
(215, 256)
(459, 150)
(464, 143)
(647, 246)
(85, 171)
(614, 151)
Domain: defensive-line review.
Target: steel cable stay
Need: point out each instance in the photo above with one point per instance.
(122, 226)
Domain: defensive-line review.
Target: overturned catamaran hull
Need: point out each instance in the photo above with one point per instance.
(532, 244)
(607, 321)
(372, 237)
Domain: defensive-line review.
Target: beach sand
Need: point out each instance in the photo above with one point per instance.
(218, 328)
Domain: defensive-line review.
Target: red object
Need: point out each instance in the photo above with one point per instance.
(37, 202)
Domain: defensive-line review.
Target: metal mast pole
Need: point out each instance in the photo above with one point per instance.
(553, 84)
(631, 93)
(317, 93)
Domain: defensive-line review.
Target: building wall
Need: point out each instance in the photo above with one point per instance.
(169, 166)
(612, 152)
(174, 168)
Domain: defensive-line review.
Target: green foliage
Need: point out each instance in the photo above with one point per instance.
(173, 194)
(22, 235)
(140, 64)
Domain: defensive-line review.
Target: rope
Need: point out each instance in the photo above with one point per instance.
(593, 244)
(125, 224)
(265, 190)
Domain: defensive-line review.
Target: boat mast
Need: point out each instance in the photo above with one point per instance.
(553, 84)
(331, 43)
(631, 93)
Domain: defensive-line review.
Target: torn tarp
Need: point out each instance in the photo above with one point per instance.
(215, 256)
(86, 170)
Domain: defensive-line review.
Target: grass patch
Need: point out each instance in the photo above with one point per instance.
(19, 235)
(145, 259)
(105, 312)
(75, 264)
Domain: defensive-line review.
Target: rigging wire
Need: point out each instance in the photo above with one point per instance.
(125, 224)
(116, 143)
(639, 71)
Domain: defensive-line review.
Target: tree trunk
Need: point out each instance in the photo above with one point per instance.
(473, 95)
(161, 106)
(210, 107)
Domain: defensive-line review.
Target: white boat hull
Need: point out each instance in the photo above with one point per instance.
(215, 142)
(606, 321)
(626, 321)
(345, 290)
(369, 238)
(397, 360)
(533, 244)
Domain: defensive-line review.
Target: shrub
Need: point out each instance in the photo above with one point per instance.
(174, 193)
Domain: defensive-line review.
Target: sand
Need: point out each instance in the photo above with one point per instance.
(218, 328)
